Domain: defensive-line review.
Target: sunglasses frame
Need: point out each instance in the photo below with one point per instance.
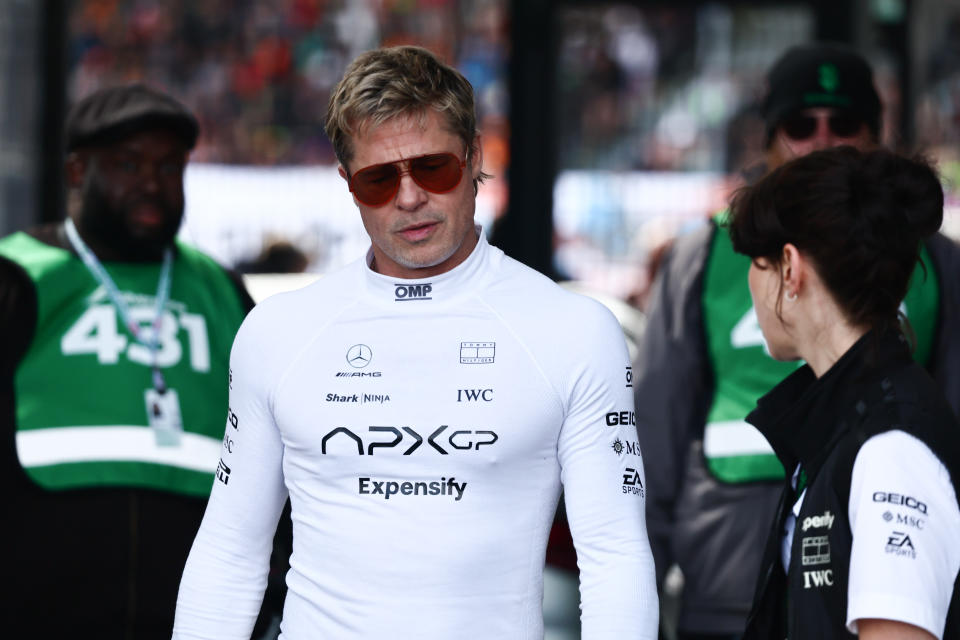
(831, 124)
(461, 164)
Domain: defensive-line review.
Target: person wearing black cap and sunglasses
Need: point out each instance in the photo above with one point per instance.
(702, 362)
(114, 339)
(423, 407)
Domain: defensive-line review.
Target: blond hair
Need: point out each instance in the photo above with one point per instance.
(394, 82)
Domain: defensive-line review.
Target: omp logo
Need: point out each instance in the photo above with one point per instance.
(406, 292)
(629, 377)
(632, 484)
(359, 356)
(223, 472)
(232, 418)
(460, 440)
(821, 578)
(477, 352)
(388, 488)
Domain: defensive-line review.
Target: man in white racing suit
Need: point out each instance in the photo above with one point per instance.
(422, 408)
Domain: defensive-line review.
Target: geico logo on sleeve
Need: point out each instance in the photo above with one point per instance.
(615, 418)
(896, 498)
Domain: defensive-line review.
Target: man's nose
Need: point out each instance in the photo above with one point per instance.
(410, 195)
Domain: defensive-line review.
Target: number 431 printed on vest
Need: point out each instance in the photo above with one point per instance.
(96, 332)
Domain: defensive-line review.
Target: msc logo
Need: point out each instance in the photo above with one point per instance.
(228, 442)
(359, 356)
(462, 439)
(223, 472)
(621, 417)
(631, 447)
(632, 482)
(405, 292)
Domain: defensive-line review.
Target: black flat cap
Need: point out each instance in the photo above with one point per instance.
(821, 75)
(110, 114)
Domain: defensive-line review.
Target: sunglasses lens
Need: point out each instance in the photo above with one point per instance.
(439, 173)
(845, 125)
(799, 127)
(375, 185)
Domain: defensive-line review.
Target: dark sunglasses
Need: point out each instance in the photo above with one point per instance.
(801, 127)
(378, 184)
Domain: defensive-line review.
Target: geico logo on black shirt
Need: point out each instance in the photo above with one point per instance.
(405, 292)
(461, 439)
(896, 498)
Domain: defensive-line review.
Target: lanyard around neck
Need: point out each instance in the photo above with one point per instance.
(97, 270)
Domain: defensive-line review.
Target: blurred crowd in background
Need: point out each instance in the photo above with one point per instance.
(656, 105)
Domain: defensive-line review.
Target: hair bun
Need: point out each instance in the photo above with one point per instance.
(913, 188)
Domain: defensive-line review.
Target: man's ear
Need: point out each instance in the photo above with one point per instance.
(476, 157)
(342, 172)
(75, 168)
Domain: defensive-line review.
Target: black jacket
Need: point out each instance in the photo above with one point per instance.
(821, 424)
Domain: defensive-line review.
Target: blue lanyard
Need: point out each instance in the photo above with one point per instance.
(97, 270)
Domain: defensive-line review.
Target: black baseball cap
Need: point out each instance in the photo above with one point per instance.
(113, 113)
(820, 75)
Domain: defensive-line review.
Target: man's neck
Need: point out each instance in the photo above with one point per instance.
(107, 250)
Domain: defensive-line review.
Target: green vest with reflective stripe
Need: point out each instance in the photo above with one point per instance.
(743, 371)
(80, 389)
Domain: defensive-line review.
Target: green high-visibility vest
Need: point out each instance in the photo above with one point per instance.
(81, 408)
(743, 370)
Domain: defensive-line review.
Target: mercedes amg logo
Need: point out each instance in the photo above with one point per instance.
(359, 356)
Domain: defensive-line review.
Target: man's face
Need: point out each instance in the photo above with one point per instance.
(417, 233)
(132, 193)
(812, 130)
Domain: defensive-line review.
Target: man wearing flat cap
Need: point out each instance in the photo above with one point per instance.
(714, 482)
(114, 340)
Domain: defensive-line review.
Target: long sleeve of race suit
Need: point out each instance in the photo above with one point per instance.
(226, 573)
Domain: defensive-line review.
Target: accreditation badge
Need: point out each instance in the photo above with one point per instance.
(163, 416)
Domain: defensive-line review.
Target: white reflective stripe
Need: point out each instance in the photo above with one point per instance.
(57, 445)
(733, 438)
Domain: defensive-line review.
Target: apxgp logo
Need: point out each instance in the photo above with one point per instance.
(461, 439)
(406, 292)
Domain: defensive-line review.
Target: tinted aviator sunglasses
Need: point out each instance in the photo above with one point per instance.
(378, 184)
(800, 126)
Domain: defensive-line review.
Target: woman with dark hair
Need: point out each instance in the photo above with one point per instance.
(867, 537)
